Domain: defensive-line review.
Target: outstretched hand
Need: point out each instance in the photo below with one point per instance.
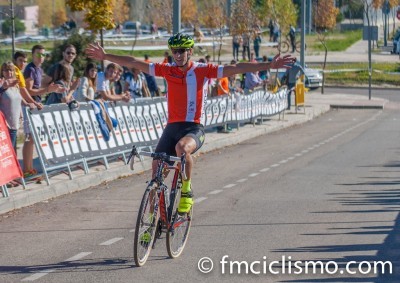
(95, 51)
(282, 62)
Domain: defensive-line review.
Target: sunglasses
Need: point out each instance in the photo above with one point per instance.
(71, 53)
(180, 51)
(40, 55)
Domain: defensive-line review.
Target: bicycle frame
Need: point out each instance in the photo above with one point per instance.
(164, 194)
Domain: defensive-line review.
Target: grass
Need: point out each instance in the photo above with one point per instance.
(335, 41)
(381, 74)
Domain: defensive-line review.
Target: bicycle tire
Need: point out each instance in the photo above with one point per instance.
(177, 238)
(146, 222)
(283, 47)
(298, 46)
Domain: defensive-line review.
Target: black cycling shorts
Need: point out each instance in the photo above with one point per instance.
(175, 131)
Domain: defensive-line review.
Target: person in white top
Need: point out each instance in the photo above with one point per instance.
(88, 84)
(137, 85)
(103, 85)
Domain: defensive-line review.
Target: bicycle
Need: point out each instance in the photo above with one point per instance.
(158, 210)
(285, 46)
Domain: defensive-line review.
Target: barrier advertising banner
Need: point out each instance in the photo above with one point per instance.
(9, 166)
(63, 137)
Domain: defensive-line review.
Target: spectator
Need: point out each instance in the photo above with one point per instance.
(166, 55)
(10, 101)
(61, 77)
(236, 41)
(151, 81)
(271, 30)
(291, 77)
(69, 55)
(208, 59)
(103, 84)
(292, 37)
(33, 77)
(252, 81)
(252, 58)
(88, 84)
(265, 74)
(256, 44)
(246, 46)
(20, 60)
(276, 31)
(137, 85)
(117, 83)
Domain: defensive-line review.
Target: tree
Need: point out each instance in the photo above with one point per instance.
(284, 12)
(6, 26)
(80, 42)
(121, 11)
(59, 17)
(242, 17)
(325, 14)
(98, 13)
(47, 12)
(161, 13)
(217, 19)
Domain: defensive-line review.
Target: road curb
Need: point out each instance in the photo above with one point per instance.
(339, 106)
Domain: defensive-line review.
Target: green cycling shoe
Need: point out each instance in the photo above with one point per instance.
(186, 202)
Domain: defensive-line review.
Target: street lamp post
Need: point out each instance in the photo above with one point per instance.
(12, 25)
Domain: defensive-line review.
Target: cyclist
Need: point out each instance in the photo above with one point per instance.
(186, 96)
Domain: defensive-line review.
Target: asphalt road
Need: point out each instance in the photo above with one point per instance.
(324, 191)
(391, 94)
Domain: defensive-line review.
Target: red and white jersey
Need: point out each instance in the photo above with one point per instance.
(187, 91)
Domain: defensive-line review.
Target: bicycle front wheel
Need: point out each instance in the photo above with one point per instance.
(146, 225)
(283, 47)
(178, 233)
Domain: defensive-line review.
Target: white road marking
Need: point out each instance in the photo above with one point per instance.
(264, 169)
(215, 192)
(229, 186)
(283, 161)
(275, 165)
(200, 199)
(111, 241)
(291, 157)
(253, 175)
(298, 154)
(131, 231)
(78, 256)
(241, 180)
(38, 275)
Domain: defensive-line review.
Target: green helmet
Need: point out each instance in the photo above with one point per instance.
(180, 40)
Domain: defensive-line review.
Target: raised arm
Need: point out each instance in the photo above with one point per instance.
(276, 63)
(95, 51)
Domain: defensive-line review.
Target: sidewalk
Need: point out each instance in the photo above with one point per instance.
(316, 105)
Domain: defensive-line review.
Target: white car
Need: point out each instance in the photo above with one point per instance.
(313, 78)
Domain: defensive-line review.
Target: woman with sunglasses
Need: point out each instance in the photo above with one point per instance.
(187, 92)
(10, 102)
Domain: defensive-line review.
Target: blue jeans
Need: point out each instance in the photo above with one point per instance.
(290, 86)
(13, 136)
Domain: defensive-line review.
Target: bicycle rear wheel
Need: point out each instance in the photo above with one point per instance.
(146, 225)
(178, 233)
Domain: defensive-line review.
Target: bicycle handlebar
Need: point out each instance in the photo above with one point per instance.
(157, 156)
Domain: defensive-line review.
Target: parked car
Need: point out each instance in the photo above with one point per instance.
(131, 28)
(313, 77)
